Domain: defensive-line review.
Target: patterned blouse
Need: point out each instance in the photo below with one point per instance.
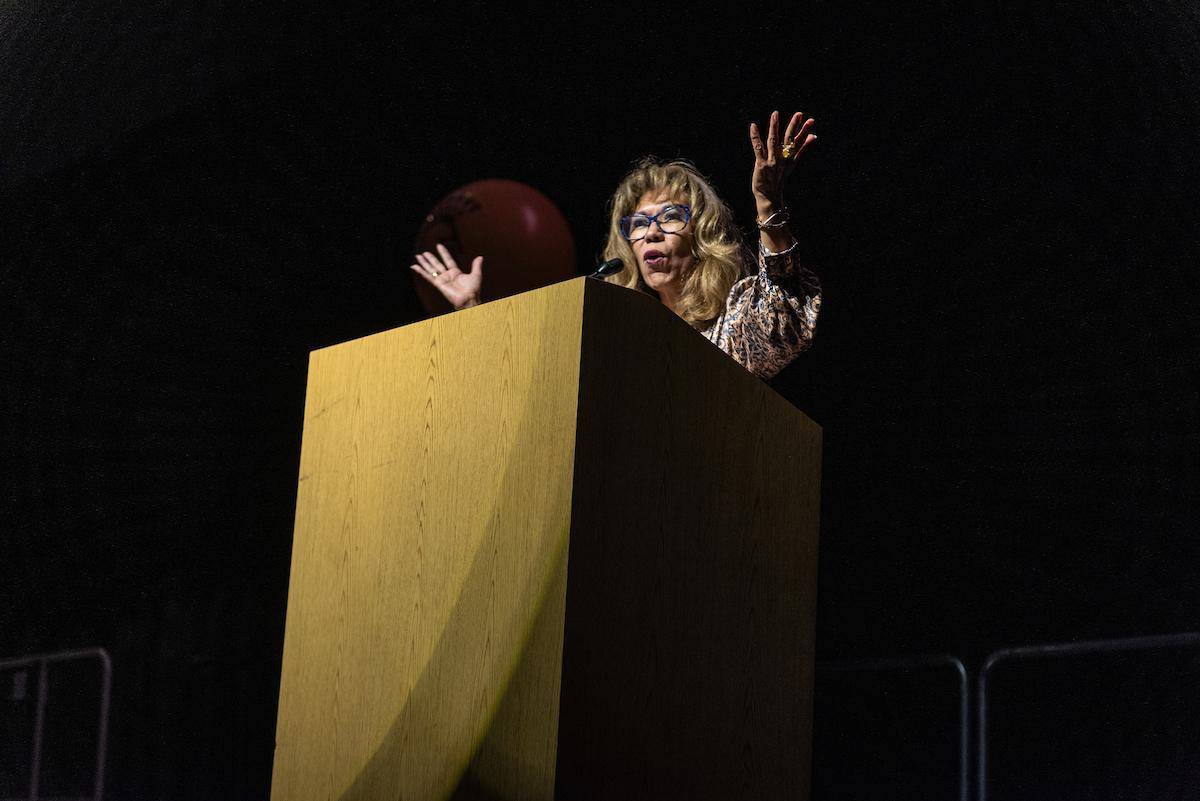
(769, 317)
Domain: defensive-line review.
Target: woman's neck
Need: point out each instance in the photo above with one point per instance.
(672, 298)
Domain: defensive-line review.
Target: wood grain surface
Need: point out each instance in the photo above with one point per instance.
(437, 645)
(429, 562)
(687, 669)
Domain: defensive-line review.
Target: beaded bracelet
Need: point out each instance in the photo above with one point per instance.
(768, 253)
(767, 223)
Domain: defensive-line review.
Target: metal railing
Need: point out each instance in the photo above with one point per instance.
(1051, 651)
(907, 664)
(980, 686)
(41, 663)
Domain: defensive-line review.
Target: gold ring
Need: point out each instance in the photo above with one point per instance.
(787, 150)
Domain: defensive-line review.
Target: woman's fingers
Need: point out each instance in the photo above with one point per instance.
(792, 126)
(421, 271)
(437, 268)
(447, 258)
(428, 264)
(798, 141)
(797, 134)
(441, 271)
(803, 135)
(756, 142)
(795, 137)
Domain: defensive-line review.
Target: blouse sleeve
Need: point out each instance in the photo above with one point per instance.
(770, 317)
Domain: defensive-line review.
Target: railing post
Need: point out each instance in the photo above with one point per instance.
(39, 722)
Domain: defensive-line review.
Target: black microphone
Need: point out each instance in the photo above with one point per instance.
(610, 267)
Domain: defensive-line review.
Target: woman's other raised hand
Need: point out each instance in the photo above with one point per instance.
(774, 161)
(440, 270)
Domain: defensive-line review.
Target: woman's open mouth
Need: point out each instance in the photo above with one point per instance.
(654, 259)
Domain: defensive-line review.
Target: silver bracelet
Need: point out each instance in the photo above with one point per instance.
(770, 221)
(769, 253)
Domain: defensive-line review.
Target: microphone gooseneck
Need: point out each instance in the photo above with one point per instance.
(610, 267)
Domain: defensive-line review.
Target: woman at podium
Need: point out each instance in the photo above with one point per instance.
(676, 239)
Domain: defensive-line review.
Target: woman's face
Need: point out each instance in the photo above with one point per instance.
(664, 260)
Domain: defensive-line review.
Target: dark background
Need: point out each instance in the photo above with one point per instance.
(1002, 210)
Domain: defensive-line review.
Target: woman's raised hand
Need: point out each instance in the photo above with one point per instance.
(440, 269)
(774, 161)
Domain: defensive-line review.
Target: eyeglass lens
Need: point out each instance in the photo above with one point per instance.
(671, 220)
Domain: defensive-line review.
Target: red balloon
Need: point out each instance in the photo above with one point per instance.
(523, 237)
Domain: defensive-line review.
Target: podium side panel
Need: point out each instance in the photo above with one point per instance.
(687, 666)
(432, 518)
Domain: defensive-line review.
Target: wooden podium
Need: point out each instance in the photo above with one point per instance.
(554, 546)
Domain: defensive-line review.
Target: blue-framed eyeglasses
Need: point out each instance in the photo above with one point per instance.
(671, 219)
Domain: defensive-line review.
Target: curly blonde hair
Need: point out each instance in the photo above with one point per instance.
(721, 256)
